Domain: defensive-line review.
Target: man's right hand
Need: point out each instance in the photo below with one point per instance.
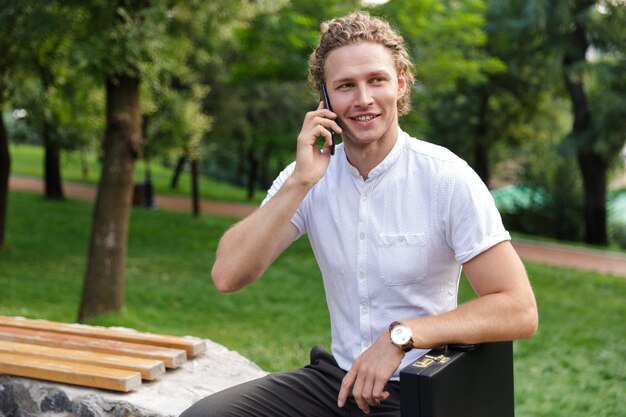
(312, 162)
(247, 249)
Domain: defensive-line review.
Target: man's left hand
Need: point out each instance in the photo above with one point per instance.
(369, 374)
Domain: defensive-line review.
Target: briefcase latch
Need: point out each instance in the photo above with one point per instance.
(426, 360)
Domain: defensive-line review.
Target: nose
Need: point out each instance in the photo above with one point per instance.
(363, 96)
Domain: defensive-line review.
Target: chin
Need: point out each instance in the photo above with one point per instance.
(362, 139)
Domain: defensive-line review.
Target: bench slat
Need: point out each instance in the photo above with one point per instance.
(69, 372)
(172, 358)
(148, 368)
(191, 346)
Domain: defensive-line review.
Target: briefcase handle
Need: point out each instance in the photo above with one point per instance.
(460, 347)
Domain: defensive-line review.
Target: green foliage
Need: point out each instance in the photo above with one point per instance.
(72, 107)
(445, 40)
(126, 38)
(618, 234)
(226, 80)
(607, 98)
(264, 96)
(573, 366)
(617, 217)
(554, 204)
(45, 79)
(18, 129)
(178, 125)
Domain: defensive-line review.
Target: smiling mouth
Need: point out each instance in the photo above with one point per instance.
(365, 118)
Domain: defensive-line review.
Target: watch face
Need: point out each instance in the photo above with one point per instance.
(400, 335)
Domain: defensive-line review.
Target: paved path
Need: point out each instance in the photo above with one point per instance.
(552, 254)
(166, 202)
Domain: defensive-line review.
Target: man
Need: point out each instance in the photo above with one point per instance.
(391, 220)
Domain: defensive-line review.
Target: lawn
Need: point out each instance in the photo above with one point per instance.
(573, 367)
(28, 160)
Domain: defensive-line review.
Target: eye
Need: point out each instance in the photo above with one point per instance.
(378, 80)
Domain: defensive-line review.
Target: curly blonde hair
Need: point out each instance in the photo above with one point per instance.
(358, 27)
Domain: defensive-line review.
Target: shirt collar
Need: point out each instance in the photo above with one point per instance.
(386, 163)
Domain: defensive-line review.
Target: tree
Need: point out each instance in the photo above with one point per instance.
(265, 92)
(10, 23)
(178, 119)
(482, 118)
(590, 42)
(5, 169)
(457, 71)
(122, 39)
(126, 44)
(39, 40)
(178, 127)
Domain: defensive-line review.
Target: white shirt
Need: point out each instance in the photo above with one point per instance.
(391, 247)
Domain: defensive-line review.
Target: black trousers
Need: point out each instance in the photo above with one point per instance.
(306, 392)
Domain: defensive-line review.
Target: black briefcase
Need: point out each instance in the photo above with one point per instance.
(460, 381)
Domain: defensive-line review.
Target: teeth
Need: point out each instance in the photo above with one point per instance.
(364, 118)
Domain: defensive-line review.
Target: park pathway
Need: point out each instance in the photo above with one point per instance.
(544, 253)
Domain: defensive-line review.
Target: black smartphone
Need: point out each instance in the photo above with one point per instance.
(329, 107)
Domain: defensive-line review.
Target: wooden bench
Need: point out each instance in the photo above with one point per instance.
(97, 357)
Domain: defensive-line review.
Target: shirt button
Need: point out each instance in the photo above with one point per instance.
(364, 311)
(361, 275)
(364, 199)
(361, 235)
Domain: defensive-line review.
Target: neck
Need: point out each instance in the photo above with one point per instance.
(365, 157)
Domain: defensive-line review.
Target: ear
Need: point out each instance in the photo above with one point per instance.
(401, 84)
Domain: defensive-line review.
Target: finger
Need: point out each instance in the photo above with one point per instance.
(346, 384)
(329, 114)
(367, 392)
(378, 392)
(363, 405)
(358, 392)
(325, 134)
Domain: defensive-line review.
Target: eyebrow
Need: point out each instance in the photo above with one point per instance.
(368, 75)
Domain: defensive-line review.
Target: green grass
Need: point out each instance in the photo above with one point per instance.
(573, 367)
(168, 285)
(28, 160)
(612, 247)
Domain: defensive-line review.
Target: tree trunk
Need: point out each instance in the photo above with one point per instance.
(594, 174)
(592, 165)
(265, 179)
(53, 188)
(195, 188)
(52, 167)
(84, 164)
(5, 169)
(177, 170)
(253, 171)
(240, 163)
(103, 291)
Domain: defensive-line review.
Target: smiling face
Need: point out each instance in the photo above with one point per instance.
(364, 88)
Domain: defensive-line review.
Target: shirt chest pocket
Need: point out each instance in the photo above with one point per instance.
(402, 258)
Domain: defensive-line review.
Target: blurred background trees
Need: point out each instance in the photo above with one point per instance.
(531, 93)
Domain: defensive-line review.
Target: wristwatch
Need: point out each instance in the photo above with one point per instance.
(401, 336)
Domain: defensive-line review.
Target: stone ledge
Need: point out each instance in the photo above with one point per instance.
(168, 396)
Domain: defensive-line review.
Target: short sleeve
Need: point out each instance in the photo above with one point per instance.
(469, 214)
(298, 218)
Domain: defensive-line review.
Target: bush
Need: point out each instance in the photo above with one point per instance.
(618, 234)
(553, 203)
